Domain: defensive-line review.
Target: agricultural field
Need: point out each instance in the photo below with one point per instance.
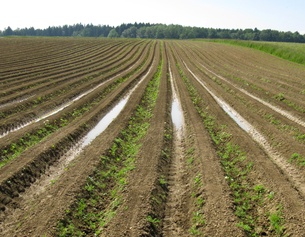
(121, 137)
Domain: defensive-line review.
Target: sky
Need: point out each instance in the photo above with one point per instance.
(281, 15)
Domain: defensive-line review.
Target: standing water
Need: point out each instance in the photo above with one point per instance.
(227, 108)
(176, 184)
(63, 106)
(176, 114)
(292, 172)
(112, 114)
(55, 171)
(176, 111)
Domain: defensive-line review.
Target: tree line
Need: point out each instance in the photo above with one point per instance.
(157, 31)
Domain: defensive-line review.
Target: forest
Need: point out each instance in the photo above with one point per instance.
(157, 31)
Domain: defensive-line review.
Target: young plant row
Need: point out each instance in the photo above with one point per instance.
(77, 57)
(254, 203)
(198, 218)
(280, 125)
(93, 78)
(159, 194)
(102, 194)
(32, 138)
(277, 98)
(54, 72)
(295, 132)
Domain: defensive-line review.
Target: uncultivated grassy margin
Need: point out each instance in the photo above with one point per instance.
(101, 195)
(247, 198)
(294, 52)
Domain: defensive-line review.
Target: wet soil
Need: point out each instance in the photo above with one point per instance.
(32, 201)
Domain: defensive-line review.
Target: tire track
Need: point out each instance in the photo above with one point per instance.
(174, 213)
(215, 216)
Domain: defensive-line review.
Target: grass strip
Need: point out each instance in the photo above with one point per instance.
(294, 52)
(101, 196)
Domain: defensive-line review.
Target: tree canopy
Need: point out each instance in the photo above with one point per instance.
(157, 31)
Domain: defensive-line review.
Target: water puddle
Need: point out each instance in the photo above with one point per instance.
(15, 101)
(111, 115)
(234, 115)
(176, 111)
(287, 168)
(274, 108)
(227, 108)
(177, 172)
(63, 106)
(55, 171)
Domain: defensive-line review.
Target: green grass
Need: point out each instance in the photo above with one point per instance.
(298, 159)
(277, 221)
(294, 52)
(198, 218)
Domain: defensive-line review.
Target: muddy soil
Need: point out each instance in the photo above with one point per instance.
(56, 145)
(178, 177)
(28, 211)
(266, 169)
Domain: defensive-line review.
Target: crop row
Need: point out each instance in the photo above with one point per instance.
(31, 53)
(103, 188)
(280, 117)
(82, 116)
(58, 73)
(225, 171)
(67, 90)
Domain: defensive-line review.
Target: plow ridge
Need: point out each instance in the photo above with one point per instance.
(197, 139)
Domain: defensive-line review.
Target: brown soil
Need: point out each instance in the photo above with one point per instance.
(56, 197)
(265, 169)
(35, 160)
(39, 186)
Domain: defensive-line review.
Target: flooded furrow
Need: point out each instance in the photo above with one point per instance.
(176, 111)
(274, 108)
(292, 174)
(15, 101)
(63, 106)
(174, 214)
(55, 171)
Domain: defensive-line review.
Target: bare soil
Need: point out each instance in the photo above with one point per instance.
(171, 176)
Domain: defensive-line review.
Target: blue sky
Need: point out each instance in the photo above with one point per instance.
(280, 15)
